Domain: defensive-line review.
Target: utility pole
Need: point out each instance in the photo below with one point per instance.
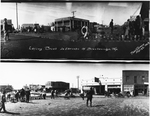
(17, 14)
(100, 84)
(73, 12)
(78, 82)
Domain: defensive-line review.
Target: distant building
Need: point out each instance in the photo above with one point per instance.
(74, 90)
(36, 87)
(7, 88)
(136, 81)
(57, 85)
(70, 24)
(46, 28)
(103, 84)
(95, 27)
(27, 25)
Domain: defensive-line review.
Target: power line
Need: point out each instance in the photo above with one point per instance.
(17, 14)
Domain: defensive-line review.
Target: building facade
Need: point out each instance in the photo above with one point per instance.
(112, 85)
(70, 24)
(136, 81)
(57, 85)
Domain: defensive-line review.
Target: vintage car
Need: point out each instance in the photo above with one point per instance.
(36, 95)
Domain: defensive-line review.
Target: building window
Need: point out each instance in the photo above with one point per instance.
(127, 78)
(143, 78)
(135, 79)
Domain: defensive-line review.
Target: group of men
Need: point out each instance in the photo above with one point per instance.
(131, 29)
(134, 28)
(89, 96)
(22, 94)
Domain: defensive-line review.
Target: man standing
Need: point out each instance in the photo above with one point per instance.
(27, 95)
(17, 95)
(44, 93)
(138, 27)
(5, 30)
(3, 100)
(89, 96)
(52, 94)
(22, 94)
(111, 25)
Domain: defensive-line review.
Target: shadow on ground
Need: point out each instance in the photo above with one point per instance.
(98, 105)
(13, 113)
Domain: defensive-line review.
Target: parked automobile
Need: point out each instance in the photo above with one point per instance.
(36, 95)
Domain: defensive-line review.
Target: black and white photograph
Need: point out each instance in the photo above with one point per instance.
(74, 58)
(75, 89)
(75, 30)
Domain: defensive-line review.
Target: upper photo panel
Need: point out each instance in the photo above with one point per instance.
(75, 30)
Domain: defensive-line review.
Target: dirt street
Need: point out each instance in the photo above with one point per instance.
(77, 107)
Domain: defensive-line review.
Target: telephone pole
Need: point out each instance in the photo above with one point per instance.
(73, 12)
(78, 81)
(17, 14)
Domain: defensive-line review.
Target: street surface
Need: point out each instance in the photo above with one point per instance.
(136, 106)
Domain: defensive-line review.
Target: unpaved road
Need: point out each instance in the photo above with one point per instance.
(77, 107)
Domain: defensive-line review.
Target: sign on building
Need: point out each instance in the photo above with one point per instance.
(86, 88)
(128, 87)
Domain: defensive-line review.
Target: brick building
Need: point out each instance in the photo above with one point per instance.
(36, 87)
(57, 85)
(136, 81)
(6, 88)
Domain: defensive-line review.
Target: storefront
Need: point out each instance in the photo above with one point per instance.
(141, 89)
(129, 88)
(136, 82)
(114, 88)
(112, 85)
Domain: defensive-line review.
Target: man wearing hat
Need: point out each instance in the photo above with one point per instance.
(5, 30)
(3, 100)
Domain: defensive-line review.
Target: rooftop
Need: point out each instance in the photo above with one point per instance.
(69, 18)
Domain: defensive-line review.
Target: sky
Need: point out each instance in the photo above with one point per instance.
(45, 13)
(20, 74)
